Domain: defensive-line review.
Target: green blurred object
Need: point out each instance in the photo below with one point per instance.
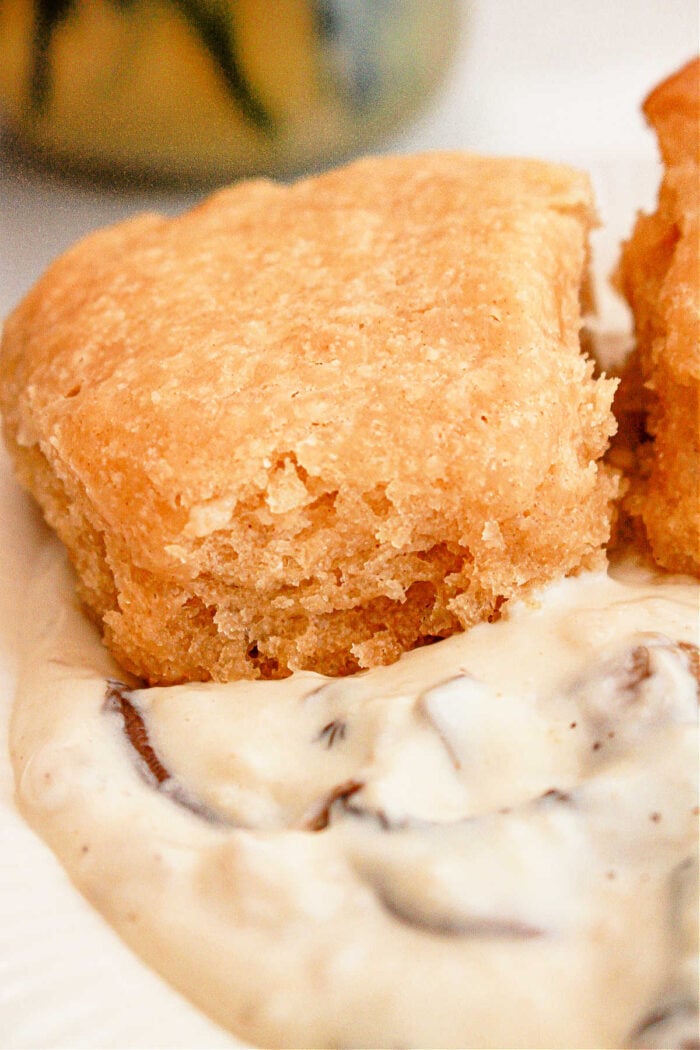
(207, 90)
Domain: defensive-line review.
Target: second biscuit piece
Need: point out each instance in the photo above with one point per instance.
(660, 275)
(315, 426)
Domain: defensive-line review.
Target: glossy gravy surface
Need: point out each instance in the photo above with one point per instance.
(492, 843)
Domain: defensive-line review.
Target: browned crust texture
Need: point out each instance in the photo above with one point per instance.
(313, 426)
(660, 276)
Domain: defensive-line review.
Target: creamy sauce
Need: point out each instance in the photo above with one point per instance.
(492, 843)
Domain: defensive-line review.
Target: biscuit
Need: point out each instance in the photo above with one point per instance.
(660, 276)
(313, 426)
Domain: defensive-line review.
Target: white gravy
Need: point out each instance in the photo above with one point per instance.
(492, 843)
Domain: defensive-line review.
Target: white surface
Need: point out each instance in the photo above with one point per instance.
(550, 78)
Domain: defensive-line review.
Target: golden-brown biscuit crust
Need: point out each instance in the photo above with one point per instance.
(312, 426)
(660, 276)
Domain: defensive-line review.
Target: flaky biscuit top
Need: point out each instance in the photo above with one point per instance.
(341, 327)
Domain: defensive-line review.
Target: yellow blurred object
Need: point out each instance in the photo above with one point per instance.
(204, 90)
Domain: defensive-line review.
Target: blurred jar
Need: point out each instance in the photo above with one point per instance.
(205, 90)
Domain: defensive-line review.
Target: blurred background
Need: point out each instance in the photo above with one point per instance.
(111, 106)
(207, 90)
